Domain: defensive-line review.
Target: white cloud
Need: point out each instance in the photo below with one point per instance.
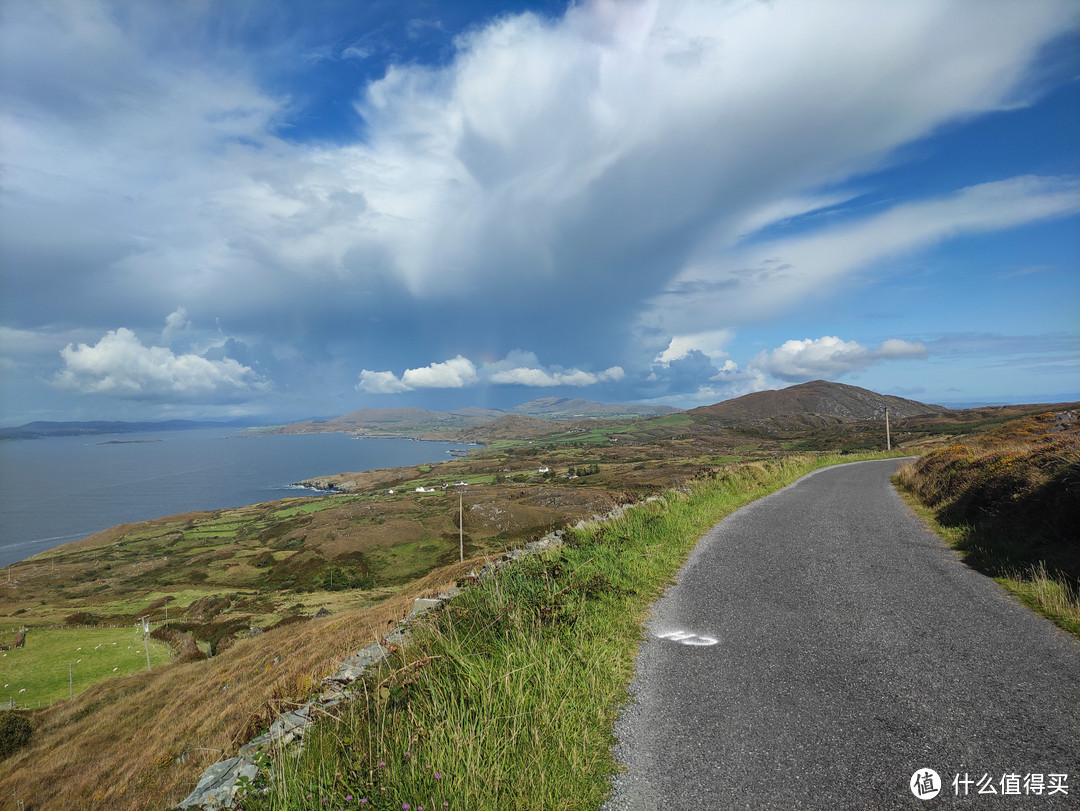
(175, 322)
(623, 128)
(121, 366)
(628, 124)
(380, 383)
(524, 376)
(452, 374)
(771, 278)
(624, 151)
(517, 368)
(455, 373)
(709, 343)
(830, 357)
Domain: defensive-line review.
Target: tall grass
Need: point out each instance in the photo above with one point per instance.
(506, 697)
(142, 741)
(1053, 597)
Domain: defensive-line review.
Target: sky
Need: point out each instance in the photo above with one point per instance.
(271, 210)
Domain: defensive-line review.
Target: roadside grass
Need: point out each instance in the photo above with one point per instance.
(37, 673)
(506, 696)
(1052, 597)
(1048, 594)
(1009, 502)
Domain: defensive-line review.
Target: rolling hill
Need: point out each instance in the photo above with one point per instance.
(422, 423)
(817, 404)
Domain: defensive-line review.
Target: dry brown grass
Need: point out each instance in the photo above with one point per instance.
(143, 741)
(1009, 501)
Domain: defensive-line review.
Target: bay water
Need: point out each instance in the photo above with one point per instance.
(60, 489)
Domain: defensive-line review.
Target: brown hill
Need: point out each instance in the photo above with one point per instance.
(404, 421)
(561, 408)
(424, 424)
(810, 405)
(512, 426)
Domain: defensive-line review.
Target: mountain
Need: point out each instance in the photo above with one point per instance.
(422, 422)
(41, 429)
(810, 405)
(391, 421)
(511, 426)
(561, 408)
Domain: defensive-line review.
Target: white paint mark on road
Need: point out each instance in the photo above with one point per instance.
(688, 638)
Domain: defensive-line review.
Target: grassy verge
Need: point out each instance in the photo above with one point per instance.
(1044, 591)
(1010, 504)
(506, 696)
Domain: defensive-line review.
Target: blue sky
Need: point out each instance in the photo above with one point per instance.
(278, 210)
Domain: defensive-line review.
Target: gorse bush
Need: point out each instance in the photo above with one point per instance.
(15, 732)
(1021, 500)
(1009, 501)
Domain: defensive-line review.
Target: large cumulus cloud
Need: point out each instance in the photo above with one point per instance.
(830, 357)
(120, 365)
(615, 170)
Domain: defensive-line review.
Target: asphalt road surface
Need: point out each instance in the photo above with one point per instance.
(821, 648)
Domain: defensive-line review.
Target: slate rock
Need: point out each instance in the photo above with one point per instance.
(218, 785)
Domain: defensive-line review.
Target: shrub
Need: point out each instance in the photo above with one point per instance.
(183, 645)
(15, 731)
(82, 618)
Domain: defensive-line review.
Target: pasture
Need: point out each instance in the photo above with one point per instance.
(37, 673)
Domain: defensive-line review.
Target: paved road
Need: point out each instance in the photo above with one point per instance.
(851, 650)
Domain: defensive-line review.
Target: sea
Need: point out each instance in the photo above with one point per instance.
(60, 489)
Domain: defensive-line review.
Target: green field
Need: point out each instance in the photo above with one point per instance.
(38, 671)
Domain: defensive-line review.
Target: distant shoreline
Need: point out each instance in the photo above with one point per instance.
(73, 487)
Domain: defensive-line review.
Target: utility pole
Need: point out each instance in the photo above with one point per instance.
(461, 527)
(71, 685)
(888, 437)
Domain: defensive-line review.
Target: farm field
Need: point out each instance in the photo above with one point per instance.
(37, 673)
